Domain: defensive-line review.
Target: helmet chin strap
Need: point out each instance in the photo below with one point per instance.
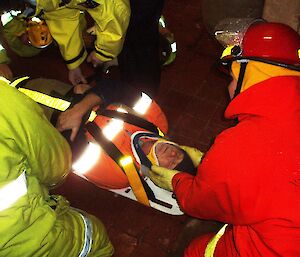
(241, 78)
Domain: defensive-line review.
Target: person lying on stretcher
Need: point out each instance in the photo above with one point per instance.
(157, 148)
(116, 148)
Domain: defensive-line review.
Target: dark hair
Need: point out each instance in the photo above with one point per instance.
(186, 165)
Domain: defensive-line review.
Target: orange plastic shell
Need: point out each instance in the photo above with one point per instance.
(106, 173)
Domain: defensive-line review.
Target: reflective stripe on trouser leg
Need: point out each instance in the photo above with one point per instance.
(88, 234)
(211, 246)
(13, 191)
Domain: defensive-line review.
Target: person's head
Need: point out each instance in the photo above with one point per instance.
(169, 155)
(258, 49)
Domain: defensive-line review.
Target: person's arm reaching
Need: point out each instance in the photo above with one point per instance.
(111, 22)
(70, 42)
(105, 92)
(72, 118)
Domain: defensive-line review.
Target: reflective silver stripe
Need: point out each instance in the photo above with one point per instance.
(88, 234)
(13, 191)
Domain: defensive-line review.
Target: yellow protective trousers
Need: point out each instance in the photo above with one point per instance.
(35, 158)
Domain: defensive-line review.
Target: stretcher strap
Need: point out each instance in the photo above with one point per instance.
(131, 119)
(106, 145)
(135, 181)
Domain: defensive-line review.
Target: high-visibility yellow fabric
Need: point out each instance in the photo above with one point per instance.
(33, 88)
(17, 81)
(47, 100)
(11, 32)
(48, 87)
(3, 56)
(195, 154)
(262, 71)
(211, 246)
(111, 21)
(227, 51)
(38, 224)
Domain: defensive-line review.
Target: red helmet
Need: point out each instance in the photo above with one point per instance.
(274, 43)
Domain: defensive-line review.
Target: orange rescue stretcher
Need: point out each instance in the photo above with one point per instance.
(111, 158)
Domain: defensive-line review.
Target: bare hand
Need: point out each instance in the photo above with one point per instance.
(80, 89)
(70, 119)
(5, 71)
(94, 60)
(76, 77)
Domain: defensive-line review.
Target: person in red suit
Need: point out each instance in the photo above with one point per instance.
(250, 177)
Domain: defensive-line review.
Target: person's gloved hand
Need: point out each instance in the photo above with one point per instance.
(76, 77)
(94, 60)
(194, 154)
(162, 177)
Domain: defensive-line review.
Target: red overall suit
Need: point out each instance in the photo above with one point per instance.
(250, 176)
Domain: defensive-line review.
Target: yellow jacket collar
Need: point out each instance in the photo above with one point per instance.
(257, 72)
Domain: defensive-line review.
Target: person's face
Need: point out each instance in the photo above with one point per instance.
(169, 156)
(231, 87)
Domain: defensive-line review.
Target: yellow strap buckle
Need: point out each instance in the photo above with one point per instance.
(134, 180)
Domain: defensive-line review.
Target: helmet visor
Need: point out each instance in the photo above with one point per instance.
(230, 33)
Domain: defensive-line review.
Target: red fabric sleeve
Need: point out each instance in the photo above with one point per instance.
(207, 195)
(228, 182)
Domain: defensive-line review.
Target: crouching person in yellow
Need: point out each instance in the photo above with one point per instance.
(34, 157)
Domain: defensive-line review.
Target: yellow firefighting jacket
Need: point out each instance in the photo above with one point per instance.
(33, 158)
(111, 21)
(3, 56)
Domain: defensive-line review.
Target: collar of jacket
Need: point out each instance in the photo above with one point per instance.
(275, 98)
